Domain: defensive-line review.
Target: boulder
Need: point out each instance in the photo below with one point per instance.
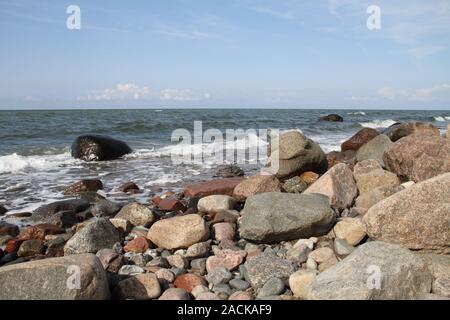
(137, 214)
(46, 213)
(372, 197)
(332, 118)
(294, 154)
(98, 234)
(338, 185)
(178, 232)
(84, 186)
(359, 139)
(30, 248)
(260, 269)
(374, 271)
(255, 185)
(400, 130)
(98, 148)
(171, 204)
(216, 203)
(40, 231)
(3, 210)
(228, 171)
(143, 286)
(105, 208)
(369, 175)
(76, 277)
(419, 157)
(335, 157)
(417, 217)
(295, 185)
(374, 149)
(217, 186)
(8, 229)
(352, 230)
(300, 282)
(275, 217)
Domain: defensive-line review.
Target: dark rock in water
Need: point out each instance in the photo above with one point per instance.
(229, 171)
(359, 139)
(332, 118)
(83, 186)
(105, 208)
(46, 212)
(8, 229)
(400, 130)
(2, 210)
(130, 187)
(99, 148)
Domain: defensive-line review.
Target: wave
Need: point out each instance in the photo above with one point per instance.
(14, 163)
(442, 118)
(378, 124)
(357, 113)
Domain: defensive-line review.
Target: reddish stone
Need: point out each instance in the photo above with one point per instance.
(227, 258)
(138, 245)
(189, 281)
(217, 186)
(8, 229)
(156, 200)
(171, 204)
(84, 186)
(223, 231)
(39, 231)
(13, 245)
(359, 139)
(255, 185)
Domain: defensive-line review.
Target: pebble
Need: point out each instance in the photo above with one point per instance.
(239, 284)
(273, 287)
(219, 275)
(165, 276)
(177, 261)
(223, 231)
(239, 295)
(198, 250)
(197, 290)
(175, 294)
(189, 281)
(300, 281)
(208, 296)
(222, 288)
(130, 270)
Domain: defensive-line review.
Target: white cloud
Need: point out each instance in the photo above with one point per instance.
(285, 15)
(421, 94)
(131, 91)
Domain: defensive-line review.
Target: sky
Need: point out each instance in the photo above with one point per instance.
(225, 53)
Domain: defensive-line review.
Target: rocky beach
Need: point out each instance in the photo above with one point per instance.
(368, 221)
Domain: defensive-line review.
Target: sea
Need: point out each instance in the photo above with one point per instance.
(36, 163)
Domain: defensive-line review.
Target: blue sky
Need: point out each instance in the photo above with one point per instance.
(225, 53)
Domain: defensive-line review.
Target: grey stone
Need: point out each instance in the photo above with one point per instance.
(105, 208)
(374, 149)
(219, 275)
(239, 284)
(265, 266)
(273, 287)
(275, 217)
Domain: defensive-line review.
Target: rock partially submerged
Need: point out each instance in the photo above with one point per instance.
(375, 270)
(76, 277)
(99, 148)
(359, 139)
(273, 217)
(332, 118)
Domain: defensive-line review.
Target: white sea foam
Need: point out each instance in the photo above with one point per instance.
(357, 113)
(378, 123)
(442, 118)
(14, 163)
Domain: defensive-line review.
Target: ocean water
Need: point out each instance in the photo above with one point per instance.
(36, 165)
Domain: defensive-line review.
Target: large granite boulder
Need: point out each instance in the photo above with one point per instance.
(419, 157)
(374, 271)
(400, 130)
(76, 277)
(99, 148)
(98, 234)
(374, 149)
(370, 175)
(359, 139)
(294, 154)
(274, 217)
(417, 217)
(338, 185)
